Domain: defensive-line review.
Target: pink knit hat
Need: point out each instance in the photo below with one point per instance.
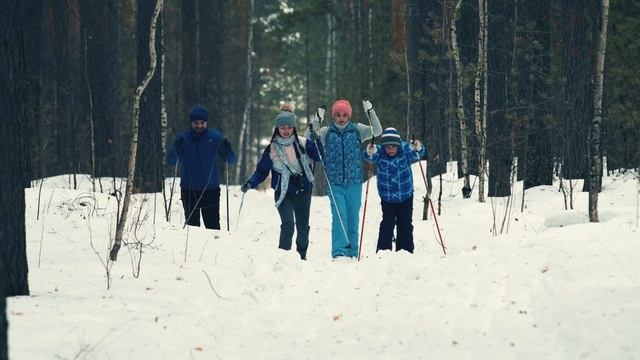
(342, 106)
(288, 107)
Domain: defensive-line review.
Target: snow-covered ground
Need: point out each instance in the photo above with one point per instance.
(550, 286)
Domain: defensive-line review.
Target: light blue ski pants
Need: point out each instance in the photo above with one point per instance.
(347, 202)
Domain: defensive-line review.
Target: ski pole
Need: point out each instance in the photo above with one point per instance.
(425, 211)
(364, 213)
(226, 170)
(435, 218)
(437, 227)
(366, 194)
(226, 185)
(239, 210)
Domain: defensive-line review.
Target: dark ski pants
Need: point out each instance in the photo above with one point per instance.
(208, 206)
(294, 211)
(401, 215)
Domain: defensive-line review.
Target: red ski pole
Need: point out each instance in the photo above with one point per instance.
(364, 213)
(366, 194)
(424, 177)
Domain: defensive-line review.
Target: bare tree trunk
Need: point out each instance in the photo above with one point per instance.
(134, 134)
(102, 71)
(190, 90)
(480, 98)
(307, 68)
(450, 67)
(577, 93)
(596, 125)
(92, 120)
(4, 348)
(485, 90)
(163, 102)
(14, 152)
(244, 137)
(32, 35)
(328, 58)
(320, 184)
(149, 162)
(538, 162)
(498, 133)
(370, 41)
(477, 104)
(407, 72)
(401, 39)
(464, 151)
(331, 58)
(334, 52)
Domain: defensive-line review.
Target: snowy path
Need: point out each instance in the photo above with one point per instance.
(552, 287)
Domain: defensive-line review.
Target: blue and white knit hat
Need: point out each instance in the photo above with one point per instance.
(390, 136)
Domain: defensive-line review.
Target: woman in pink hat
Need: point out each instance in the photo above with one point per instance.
(343, 167)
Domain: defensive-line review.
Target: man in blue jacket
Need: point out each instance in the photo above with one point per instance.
(197, 152)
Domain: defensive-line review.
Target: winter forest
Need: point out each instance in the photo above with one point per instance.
(514, 94)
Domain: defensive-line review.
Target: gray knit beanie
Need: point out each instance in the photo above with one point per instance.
(285, 118)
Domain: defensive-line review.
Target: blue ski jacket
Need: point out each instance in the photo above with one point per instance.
(197, 155)
(342, 161)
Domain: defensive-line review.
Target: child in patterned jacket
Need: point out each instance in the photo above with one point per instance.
(393, 158)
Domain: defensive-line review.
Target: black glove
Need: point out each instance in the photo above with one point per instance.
(245, 187)
(178, 145)
(227, 147)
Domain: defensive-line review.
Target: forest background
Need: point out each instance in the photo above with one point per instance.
(422, 63)
(510, 89)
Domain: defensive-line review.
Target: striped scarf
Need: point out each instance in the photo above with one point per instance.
(278, 145)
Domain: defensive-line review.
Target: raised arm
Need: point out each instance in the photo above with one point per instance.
(374, 128)
(314, 130)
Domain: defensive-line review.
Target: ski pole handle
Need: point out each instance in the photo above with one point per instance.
(365, 99)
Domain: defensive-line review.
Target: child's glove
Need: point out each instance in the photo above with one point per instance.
(245, 187)
(367, 105)
(416, 145)
(372, 149)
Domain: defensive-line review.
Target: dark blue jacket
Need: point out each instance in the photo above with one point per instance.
(198, 157)
(265, 165)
